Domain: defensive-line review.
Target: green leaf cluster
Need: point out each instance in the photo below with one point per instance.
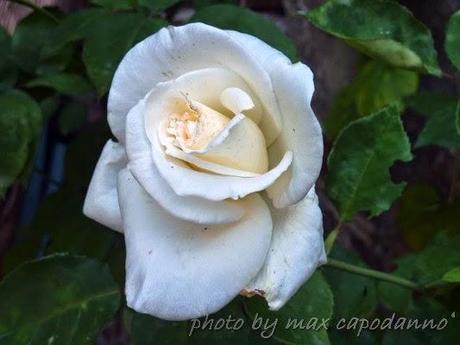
(382, 29)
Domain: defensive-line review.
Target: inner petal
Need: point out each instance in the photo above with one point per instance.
(211, 141)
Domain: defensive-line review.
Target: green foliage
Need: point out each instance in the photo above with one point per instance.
(314, 301)
(8, 70)
(376, 85)
(247, 21)
(20, 123)
(382, 29)
(115, 4)
(65, 83)
(157, 5)
(57, 299)
(358, 178)
(427, 266)
(106, 36)
(441, 113)
(203, 3)
(453, 276)
(452, 44)
(28, 40)
(111, 37)
(147, 330)
(422, 215)
(72, 118)
(354, 296)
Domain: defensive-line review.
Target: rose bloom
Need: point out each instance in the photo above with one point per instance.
(212, 177)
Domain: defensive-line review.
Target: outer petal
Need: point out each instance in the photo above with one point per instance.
(141, 165)
(301, 133)
(297, 249)
(174, 51)
(178, 270)
(101, 202)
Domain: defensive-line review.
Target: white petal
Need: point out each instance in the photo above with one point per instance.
(141, 165)
(174, 51)
(205, 165)
(179, 175)
(101, 202)
(210, 186)
(296, 250)
(178, 270)
(236, 100)
(301, 133)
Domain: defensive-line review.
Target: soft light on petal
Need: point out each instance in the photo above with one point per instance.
(296, 251)
(101, 202)
(175, 51)
(178, 270)
(301, 133)
(141, 165)
(236, 100)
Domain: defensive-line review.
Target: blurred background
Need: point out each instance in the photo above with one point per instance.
(55, 72)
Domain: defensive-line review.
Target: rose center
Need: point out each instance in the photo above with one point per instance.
(195, 128)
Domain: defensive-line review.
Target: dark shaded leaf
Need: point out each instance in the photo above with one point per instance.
(422, 215)
(112, 36)
(72, 118)
(354, 296)
(58, 299)
(441, 112)
(20, 124)
(66, 83)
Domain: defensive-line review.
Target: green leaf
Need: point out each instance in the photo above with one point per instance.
(147, 330)
(376, 85)
(359, 178)
(29, 38)
(115, 4)
(72, 118)
(244, 20)
(453, 276)
(427, 266)
(430, 265)
(56, 300)
(8, 70)
(309, 306)
(66, 83)
(204, 3)
(354, 295)
(112, 36)
(5, 46)
(157, 5)
(441, 113)
(20, 124)
(452, 43)
(73, 27)
(382, 29)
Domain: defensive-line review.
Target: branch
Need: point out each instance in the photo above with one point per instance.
(366, 272)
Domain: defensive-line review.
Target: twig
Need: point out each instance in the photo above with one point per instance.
(366, 272)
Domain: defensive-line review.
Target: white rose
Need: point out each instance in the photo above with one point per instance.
(212, 178)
